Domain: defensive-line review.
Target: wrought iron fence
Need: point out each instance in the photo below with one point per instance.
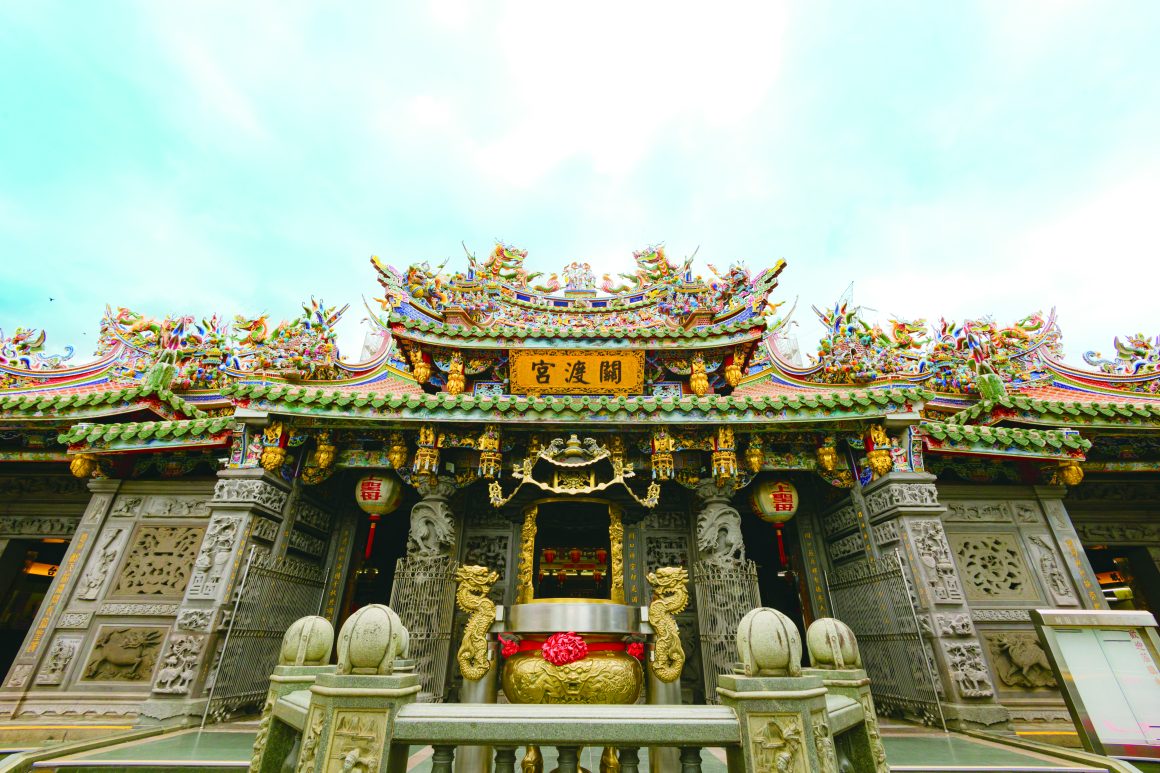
(725, 593)
(875, 602)
(273, 594)
(423, 595)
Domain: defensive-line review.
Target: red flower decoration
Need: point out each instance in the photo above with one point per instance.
(636, 649)
(508, 647)
(563, 648)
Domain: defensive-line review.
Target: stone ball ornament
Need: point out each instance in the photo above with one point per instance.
(768, 644)
(832, 645)
(379, 494)
(371, 640)
(307, 642)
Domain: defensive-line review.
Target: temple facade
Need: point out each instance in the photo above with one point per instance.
(168, 508)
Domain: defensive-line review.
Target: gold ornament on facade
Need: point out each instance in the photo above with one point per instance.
(616, 448)
(662, 454)
(1070, 473)
(420, 369)
(724, 456)
(733, 371)
(490, 458)
(455, 379)
(527, 557)
(616, 541)
(601, 677)
(84, 466)
(273, 452)
(755, 454)
(325, 452)
(827, 458)
(670, 585)
(699, 379)
(472, 597)
(879, 461)
(427, 454)
(397, 450)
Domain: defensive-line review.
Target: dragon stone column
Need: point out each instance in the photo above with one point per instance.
(903, 513)
(423, 593)
(724, 581)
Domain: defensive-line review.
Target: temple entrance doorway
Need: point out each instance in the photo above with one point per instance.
(572, 550)
(1127, 575)
(778, 569)
(27, 567)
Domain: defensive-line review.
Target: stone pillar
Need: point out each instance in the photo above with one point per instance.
(245, 512)
(783, 721)
(1070, 546)
(724, 581)
(904, 513)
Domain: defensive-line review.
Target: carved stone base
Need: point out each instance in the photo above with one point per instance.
(990, 717)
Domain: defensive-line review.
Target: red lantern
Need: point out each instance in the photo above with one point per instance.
(597, 576)
(601, 554)
(549, 556)
(775, 501)
(377, 495)
(574, 554)
(561, 576)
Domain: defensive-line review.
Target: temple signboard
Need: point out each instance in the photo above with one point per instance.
(576, 372)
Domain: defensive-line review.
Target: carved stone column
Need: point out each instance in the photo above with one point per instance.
(724, 581)
(245, 511)
(423, 593)
(903, 513)
(1070, 547)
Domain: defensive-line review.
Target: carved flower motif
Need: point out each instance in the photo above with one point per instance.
(563, 648)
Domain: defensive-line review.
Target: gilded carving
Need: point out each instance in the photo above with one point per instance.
(159, 561)
(527, 556)
(472, 597)
(1019, 660)
(601, 677)
(670, 586)
(124, 653)
(616, 541)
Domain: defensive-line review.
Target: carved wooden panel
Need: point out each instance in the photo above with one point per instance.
(159, 561)
(992, 566)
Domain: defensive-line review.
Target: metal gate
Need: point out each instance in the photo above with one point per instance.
(725, 594)
(877, 606)
(423, 595)
(273, 594)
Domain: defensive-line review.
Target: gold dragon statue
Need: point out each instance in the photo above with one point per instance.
(474, 584)
(672, 596)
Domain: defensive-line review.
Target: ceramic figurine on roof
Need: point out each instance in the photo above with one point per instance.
(24, 349)
(504, 264)
(1135, 355)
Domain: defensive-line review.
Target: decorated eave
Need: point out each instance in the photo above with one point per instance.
(947, 438)
(1085, 414)
(148, 436)
(58, 406)
(837, 405)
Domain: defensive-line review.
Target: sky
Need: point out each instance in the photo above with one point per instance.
(950, 159)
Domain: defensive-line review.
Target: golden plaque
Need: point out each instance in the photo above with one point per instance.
(576, 372)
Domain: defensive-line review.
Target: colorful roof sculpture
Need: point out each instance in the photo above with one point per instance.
(699, 351)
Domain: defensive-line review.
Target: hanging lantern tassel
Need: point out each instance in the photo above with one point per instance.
(371, 536)
(780, 544)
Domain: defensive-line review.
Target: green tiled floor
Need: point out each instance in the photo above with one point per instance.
(931, 751)
(212, 747)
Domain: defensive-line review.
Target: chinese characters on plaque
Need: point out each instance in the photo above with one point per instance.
(576, 371)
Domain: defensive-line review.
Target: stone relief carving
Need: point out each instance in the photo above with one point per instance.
(901, 495)
(125, 654)
(1000, 615)
(1117, 492)
(174, 507)
(138, 610)
(18, 676)
(842, 519)
(487, 518)
(358, 737)
(314, 517)
(978, 512)
(855, 570)
(213, 559)
(876, 747)
(432, 528)
(935, 555)
(824, 744)
(195, 619)
(1026, 512)
(49, 484)
(97, 507)
(665, 551)
(1099, 532)
(1039, 715)
(1049, 571)
(305, 543)
(777, 743)
(159, 561)
(60, 657)
(251, 491)
(666, 520)
(264, 529)
(37, 526)
(991, 565)
(74, 620)
(719, 534)
(885, 533)
(1019, 660)
(954, 625)
(127, 506)
(179, 665)
(101, 563)
(850, 545)
(310, 739)
(965, 663)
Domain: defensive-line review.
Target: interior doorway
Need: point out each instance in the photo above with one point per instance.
(1127, 575)
(572, 557)
(27, 568)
